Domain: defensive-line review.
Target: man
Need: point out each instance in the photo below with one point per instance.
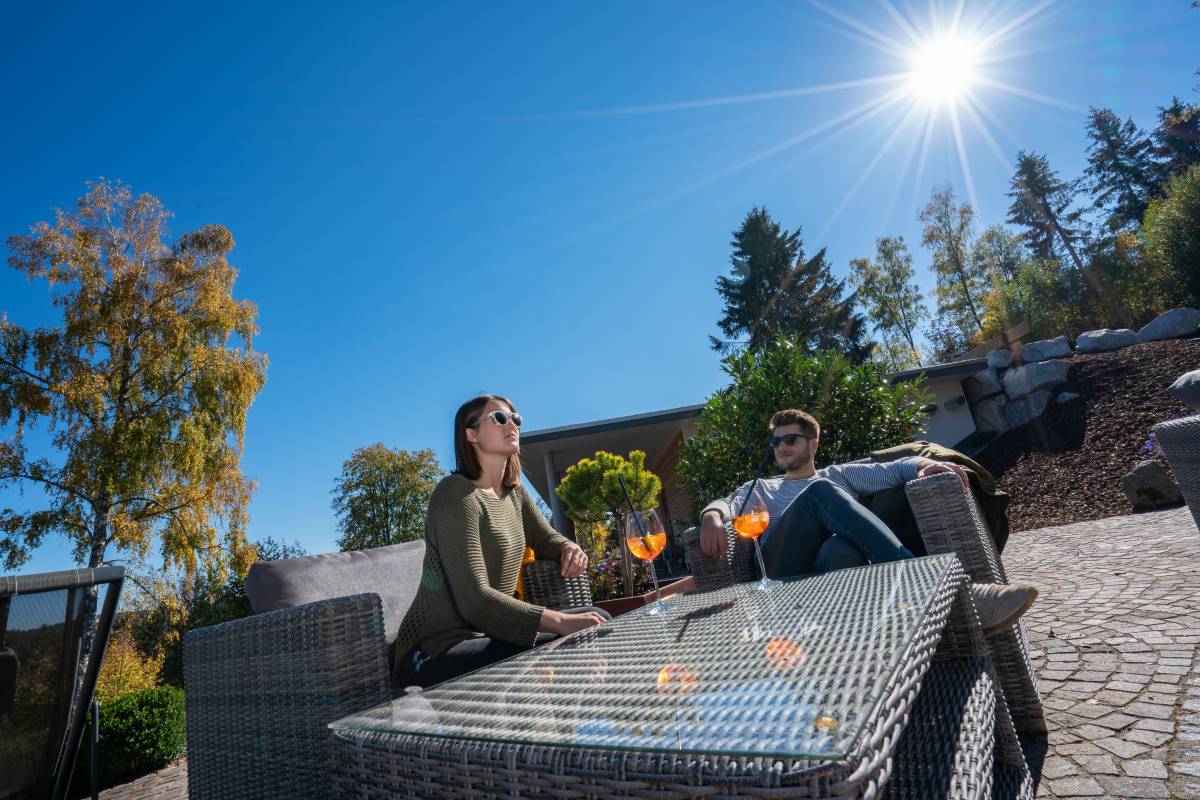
(818, 525)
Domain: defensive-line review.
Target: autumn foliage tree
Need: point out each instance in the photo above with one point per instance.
(142, 390)
(382, 495)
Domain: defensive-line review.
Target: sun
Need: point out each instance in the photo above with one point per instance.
(943, 69)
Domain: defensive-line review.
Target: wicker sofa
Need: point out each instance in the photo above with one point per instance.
(260, 691)
(1179, 440)
(950, 522)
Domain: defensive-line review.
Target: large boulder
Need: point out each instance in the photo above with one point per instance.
(1105, 339)
(1148, 486)
(1028, 408)
(1046, 350)
(1021, 381)
(1186, 389)
(1000, 359)
(1173, 324)
(979, 385)
(989, 414)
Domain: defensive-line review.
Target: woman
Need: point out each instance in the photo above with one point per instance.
(479, 522)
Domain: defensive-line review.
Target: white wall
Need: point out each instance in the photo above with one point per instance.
(948, 426)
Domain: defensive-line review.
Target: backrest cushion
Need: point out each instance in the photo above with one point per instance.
(1186, 389)
(392, 572)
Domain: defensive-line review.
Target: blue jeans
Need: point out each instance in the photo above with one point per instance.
(826, 529)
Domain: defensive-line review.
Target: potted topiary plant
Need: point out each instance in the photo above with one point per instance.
(596, 503)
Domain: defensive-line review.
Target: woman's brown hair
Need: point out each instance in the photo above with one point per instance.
(467, 462)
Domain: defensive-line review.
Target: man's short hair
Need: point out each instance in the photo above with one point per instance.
(794, 416)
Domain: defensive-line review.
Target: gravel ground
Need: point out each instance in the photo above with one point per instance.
(1067, 465)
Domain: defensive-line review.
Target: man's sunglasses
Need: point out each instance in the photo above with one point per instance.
(788, 439)
(501, 418)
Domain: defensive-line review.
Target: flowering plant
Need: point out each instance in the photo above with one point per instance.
(604, 575)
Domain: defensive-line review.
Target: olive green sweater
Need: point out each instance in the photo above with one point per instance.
(474, 542)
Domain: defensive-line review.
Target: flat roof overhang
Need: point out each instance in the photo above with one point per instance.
(653, 433)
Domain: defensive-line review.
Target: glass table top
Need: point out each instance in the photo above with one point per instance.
(793, 672)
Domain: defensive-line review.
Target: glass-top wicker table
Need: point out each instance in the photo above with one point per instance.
(852, 684)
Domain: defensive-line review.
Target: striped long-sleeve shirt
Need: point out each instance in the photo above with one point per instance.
(779, 492)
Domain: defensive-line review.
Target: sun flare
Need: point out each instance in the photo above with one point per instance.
(943, 69)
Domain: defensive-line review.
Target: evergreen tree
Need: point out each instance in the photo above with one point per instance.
(1041, 204)
(1177, 139)
(893, 301)
(774, 290)
(1121, 172)
(961, 284)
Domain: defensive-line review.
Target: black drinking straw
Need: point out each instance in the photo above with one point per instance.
(637, 519)
(757, 475)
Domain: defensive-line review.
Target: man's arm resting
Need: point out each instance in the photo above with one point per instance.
(712, 533)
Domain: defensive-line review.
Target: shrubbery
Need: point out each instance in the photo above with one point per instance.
(140, 732)
(858, 408)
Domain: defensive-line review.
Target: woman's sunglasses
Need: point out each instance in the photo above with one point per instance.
(501, 418)
(788, 439)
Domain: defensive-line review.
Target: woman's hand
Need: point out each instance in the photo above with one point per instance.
(562, 624)
(934, 467)
(574, 561)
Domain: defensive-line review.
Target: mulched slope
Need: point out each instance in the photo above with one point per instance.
(1067, 465)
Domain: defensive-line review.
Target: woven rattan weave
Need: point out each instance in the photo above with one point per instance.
(950, 522)
(801, 691)
(1179, 439)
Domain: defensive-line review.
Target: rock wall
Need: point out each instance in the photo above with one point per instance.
(1005, 396)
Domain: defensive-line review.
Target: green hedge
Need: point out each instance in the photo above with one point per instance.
(140, 732)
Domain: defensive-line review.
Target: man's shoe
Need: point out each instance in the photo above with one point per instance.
(1000, 605)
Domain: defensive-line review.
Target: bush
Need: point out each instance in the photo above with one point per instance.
(140, 732)
(858, 408)
(125, 668)
(1171, 229)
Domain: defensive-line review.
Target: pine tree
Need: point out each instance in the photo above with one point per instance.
(775, 290)
(1177, 139)
(1041, 204)
(1121, 172)
(893, 301)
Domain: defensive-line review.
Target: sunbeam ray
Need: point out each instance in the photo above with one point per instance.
(903, 23)
(1011, 27)
(712, 102)
(963, 162)
(969, 107)
(1028, 95)
(908, 163)
(887, 44)
(919, 179)
(866, 173)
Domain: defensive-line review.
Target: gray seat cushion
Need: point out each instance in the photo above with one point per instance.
(1187, 389)
(392, 572)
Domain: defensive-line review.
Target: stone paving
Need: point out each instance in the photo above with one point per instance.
(1114, 639)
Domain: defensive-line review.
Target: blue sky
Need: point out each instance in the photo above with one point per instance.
(439, 199)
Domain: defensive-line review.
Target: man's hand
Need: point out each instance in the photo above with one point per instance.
(712, 535)
(574, 561)
(934, 467)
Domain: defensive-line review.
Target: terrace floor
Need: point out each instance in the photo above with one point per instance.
(1114, 637)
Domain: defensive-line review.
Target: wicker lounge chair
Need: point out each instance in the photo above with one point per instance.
(1180, 442)
(949, 520)
(261, 690)
(45, 690)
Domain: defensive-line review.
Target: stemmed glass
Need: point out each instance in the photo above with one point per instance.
(646, 537)
(751, 521)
